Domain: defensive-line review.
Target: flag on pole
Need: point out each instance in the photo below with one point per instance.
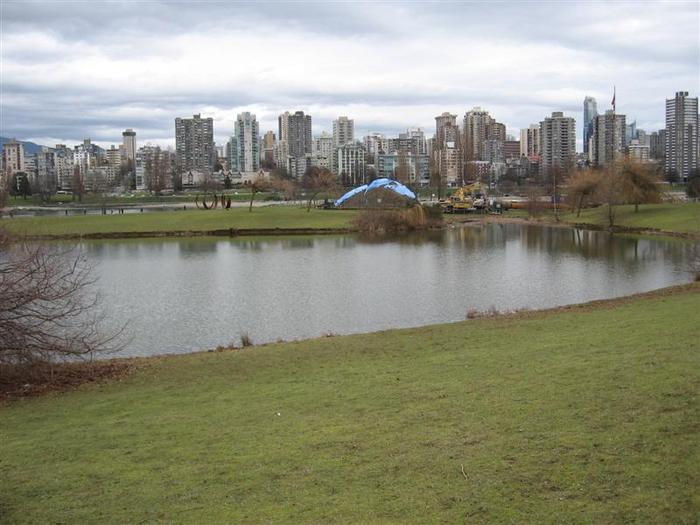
(613, 100)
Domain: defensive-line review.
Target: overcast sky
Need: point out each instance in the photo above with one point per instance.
(72, 70)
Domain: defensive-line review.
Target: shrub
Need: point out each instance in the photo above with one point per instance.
(434, 213)
(414, 218)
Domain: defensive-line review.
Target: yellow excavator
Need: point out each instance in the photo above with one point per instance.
(466, 198)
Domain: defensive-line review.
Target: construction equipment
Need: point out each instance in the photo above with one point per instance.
(465, 199)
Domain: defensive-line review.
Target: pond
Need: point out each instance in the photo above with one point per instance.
(183, 295)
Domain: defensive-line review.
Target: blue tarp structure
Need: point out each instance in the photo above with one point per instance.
(386, 184)
(350, 194)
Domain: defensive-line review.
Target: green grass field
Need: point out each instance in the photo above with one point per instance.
(680, 218)
(683, 218)
(190, 220)
(589, 415)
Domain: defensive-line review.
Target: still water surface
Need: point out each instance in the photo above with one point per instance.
(182, 295)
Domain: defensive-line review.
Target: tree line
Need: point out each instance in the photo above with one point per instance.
(623, 182)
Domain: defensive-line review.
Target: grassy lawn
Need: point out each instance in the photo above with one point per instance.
(684, 218)
(670, 217)
(190, 220)
(589, 415)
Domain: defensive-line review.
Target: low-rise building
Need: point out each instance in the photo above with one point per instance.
(405, 167)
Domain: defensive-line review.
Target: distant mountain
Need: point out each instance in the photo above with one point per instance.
(29, 147)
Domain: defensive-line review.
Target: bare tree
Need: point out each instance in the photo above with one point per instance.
(77, 184)
(4, 194)
(49, 310)
(176, 176)
(610, 191)
(155, 171)
(371, 174)
(552, 179)
(123, 178)
(627, 182)
(258, 184)
(315, 181)
(533, 193)
(402, 172)
(281, 173)
(582, 185)
(437, 181)
(210, 183)
(471, 173)
(692, 190)
(284, 185)
(639, 183)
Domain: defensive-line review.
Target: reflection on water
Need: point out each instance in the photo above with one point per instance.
(189, 294)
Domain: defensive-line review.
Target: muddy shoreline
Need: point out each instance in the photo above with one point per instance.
(227, 232)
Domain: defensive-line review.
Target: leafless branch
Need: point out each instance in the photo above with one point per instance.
(49, 309)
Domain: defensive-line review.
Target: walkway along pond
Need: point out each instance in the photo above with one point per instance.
(184, 295)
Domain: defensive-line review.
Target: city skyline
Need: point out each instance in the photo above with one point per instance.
(76, 78)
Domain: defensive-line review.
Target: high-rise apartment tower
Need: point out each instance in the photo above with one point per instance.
(590, 111)
(681, 134)
(557, 142)
(194, 143)
(248, 139)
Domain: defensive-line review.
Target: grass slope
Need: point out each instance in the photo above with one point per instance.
(190, 220)
(587, 416)
(683, 218)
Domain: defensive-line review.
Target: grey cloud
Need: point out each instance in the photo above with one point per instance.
(83, 21)
(569, 24)
(76, 108)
